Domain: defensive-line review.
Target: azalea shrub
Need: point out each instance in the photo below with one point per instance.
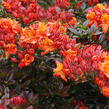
(54, 54)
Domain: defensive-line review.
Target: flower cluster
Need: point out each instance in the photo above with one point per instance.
(48, 36)
(62, 3)
(41, 31)
(8, 30)
(79, 63)
(99, 15)
(44, 36)
(29, 11)
(102, 80)
(15, 102)
(17, 7)
(92, 2)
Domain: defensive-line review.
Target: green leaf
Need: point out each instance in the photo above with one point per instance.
(98, 33)
(74, 31)
(102, 37)
(83, 6)
(93, 28)
(86, 23)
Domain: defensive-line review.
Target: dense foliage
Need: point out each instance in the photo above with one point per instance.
(54, 54)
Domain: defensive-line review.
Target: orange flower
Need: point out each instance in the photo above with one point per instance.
(42, 27)
(9, 24)
(56, 26)
(64, 27)
(100, 6)
(28, 59)
(83, 107)
(104, 22)
(34, 33)
(58, 72)
(105, 91)
(28, 35)
(92, 18)
(70, 53)
(104, 67)
(10, 49)
(47, 45)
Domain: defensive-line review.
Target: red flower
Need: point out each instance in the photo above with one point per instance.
(6, 5)
(99, 82)
(107, 38)
(26, 61)
(26, 20)
(78, 5)
(20, 55)
(31, 51)
(2, 44)
(21, 65)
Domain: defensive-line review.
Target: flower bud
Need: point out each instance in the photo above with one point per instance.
(17, 101)
(14, 60)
